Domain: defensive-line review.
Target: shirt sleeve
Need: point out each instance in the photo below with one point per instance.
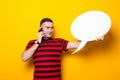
(29, 44)
(64, 44)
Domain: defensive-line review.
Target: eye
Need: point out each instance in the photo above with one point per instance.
(47, 27)
(52, 27)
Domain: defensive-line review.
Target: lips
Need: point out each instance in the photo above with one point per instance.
(50, 33)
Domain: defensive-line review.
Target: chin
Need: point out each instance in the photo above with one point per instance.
(49, 36)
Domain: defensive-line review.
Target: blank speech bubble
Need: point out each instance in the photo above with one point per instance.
(90, 25)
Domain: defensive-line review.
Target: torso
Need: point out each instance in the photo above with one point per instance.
(47, 60)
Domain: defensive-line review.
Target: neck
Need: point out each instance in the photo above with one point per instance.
(46, 38)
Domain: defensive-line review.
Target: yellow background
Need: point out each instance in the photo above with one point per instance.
(19, 23)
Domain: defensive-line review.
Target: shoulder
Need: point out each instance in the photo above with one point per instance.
(58, 39)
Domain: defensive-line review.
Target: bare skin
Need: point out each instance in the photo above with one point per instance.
(48, 31)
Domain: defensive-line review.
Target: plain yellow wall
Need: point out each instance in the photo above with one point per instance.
(19, 23)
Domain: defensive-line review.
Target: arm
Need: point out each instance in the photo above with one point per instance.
(73, 45)
(27, 54)
(76, 44)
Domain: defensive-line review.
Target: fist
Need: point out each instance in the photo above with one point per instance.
(40, 35)
(99, 38)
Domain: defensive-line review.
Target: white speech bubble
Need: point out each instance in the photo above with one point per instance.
(90, 25)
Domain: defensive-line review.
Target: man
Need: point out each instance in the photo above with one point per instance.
(46, 52)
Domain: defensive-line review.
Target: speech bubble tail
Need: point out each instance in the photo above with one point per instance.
(82, 44)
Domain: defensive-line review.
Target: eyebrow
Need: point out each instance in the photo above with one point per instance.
(49, 26)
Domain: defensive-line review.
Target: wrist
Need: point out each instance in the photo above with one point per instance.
(37, 42)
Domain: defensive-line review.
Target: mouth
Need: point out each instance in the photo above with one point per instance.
(49, 35)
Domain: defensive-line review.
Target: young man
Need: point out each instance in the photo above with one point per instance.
(46, 52)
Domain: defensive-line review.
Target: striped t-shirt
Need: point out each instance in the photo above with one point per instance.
(47, 59)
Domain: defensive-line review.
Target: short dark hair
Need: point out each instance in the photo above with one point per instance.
(45, 20)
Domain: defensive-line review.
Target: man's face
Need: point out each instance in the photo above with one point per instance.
(48, 29)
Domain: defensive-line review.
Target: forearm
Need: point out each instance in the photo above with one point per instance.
(28, 53)
(72, 45)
